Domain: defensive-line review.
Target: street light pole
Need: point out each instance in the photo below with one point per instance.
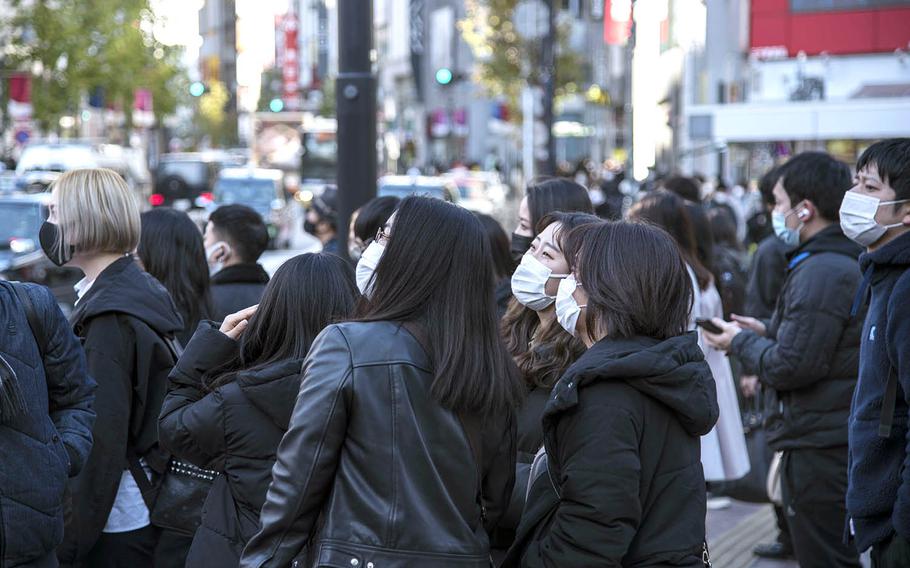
(355, 98)
(549, 87)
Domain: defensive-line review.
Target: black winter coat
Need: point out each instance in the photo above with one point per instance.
(766, 277)
(389, 473)
(810, 353)
(625, 485)
(878, 493)
(121, 321)
(236, 288)
(51, 440)
(235, 429)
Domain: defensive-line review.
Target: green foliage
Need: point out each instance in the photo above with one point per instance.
(503, 59)
(212, 118)
(74, 46)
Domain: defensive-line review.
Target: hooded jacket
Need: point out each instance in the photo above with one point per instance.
(122, 322)
(624, 485)
(50, 440)
(236, 288)
(810, 353)
(234, 429)
(878, 493)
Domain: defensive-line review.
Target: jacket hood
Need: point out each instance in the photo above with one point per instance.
(829, 239)
(672, 372)
(894, 254)
(273, 390)
(123, 287)
(247, 273)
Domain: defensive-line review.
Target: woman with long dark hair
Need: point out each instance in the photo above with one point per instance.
(171, 250)
(233, 390)
(541, 348)
(367, 220)
(619, 482)
(542, 197)
(724, 453)
(402, 443)
(503, 265)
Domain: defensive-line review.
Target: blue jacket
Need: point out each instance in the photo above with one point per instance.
(878, 493)
(50, 441)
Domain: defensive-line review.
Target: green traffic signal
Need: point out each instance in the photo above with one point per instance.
(197, 89)
(276, 105)
(444, 76)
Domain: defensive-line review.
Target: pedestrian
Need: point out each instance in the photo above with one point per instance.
(724, 453)
(171, 249)
(233, 390)
(808, 354)
(235, 238)
(541, 348)
(620, 482)
(46, 419)
(876, 214)
(729, 261)
(402, 442)
(503, 265)
(688, 189)
(366, 222)
(125, 319)
(544, 196)
(766, 278)
(322, 219)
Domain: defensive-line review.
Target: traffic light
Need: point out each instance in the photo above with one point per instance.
(276, 105)
(197, 89)
(444, 76)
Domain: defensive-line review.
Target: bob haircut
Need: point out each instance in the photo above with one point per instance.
(549, 195)
(97, 212)
(436, 272)
(636, 280)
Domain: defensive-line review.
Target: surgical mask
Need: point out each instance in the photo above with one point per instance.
(215, 266)
(529, 283)
(787, 235)
(520, 245)
(857, 218)
(567, 309)
(366, 267)
(50, 236)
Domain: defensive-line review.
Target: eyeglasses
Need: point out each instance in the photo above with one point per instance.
(382, 236)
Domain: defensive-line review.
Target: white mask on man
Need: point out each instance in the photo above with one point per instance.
(212, 252)
(857, 218)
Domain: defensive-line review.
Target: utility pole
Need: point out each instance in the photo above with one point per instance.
(548, 166)
(355, 98)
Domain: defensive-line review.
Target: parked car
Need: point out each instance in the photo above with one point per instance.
(21, 257)
(261, 190)
(404, 186)
(187, 180)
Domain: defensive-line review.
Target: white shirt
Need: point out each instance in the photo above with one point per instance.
(129, 512)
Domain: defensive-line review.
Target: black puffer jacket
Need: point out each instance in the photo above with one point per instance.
(621, 431)
(236, 288)
(810, 354)
(121, 321)
(390, 472)
(234, 429)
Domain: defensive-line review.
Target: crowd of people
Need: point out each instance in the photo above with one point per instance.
(570, 396)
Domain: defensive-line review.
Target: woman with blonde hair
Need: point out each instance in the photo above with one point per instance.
(126, 321)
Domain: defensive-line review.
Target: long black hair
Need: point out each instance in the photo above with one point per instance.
(548, 195)
(171, 249)
(503, 265)
(436, 273)
(307, 293)
(373, 216)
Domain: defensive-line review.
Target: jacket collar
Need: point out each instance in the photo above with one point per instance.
(829, 239)
(247, 273)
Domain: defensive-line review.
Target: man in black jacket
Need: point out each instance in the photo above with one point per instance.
(876, 214)
(235, 238)
(808, 354)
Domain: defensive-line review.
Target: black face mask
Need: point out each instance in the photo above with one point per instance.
(309, 227)
(520, 245)
(50, 236)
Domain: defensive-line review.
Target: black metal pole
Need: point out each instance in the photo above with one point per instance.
(355, 98)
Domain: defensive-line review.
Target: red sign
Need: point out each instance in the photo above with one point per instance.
(20, 88)
(142, 100)
(290, 62)
(617, 21)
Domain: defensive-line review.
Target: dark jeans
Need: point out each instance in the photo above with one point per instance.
(172, 549)
(814, 486)
(893, 553)
(134, 549)
(783, 531)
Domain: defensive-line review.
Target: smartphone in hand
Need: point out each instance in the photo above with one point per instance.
(707, 325)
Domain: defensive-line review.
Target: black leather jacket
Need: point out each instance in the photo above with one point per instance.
(373, 472)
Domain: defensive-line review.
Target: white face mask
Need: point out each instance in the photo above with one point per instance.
(366, 267)
(529, 283)
(215, 266)
(857, 218)
(567, 309)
